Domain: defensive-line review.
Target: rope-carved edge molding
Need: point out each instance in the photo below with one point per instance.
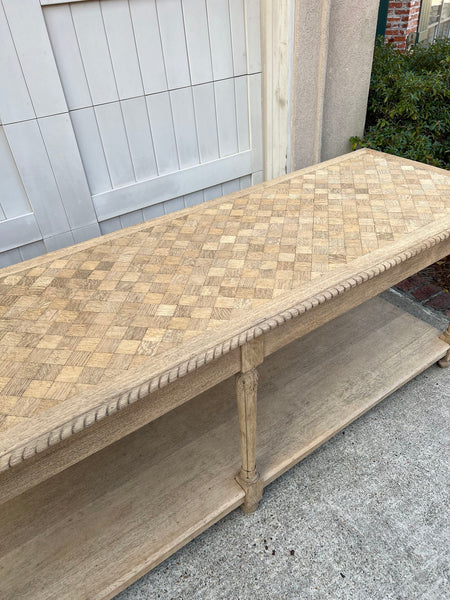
(124, 399)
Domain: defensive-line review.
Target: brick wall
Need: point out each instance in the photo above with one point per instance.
(402, 20)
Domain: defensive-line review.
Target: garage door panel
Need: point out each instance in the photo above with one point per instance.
(185, 129)
(173, 38)
(13, 201)
(122, 48)
(197, 39)
(85, 126)
(31, 158)
(224, 92)
(93, 44)
(220, 38)
(179, 183)
(148, 44)
(161, 123)
(135, 108)
(140, 139)
(115, 143)
(200, 53)
(67, 53)
(206, 119)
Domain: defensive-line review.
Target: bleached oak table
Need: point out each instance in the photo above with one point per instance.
(122, 359)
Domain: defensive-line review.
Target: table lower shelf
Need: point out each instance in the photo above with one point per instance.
(90, 531)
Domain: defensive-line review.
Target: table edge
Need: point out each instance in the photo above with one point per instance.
(64, 252)
(25, 440)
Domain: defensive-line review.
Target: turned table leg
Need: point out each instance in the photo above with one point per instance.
(246, 392)
(445, 362)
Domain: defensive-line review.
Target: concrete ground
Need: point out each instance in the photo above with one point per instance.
(365, 517)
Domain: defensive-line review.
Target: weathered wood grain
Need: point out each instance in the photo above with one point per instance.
(89, 331)
(57, 458)
(156, 489)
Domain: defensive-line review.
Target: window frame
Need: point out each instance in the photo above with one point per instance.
(424, 28)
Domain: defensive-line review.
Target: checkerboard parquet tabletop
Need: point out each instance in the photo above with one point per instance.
(76, 319)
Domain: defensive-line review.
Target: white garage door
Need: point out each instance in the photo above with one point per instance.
(116, 111)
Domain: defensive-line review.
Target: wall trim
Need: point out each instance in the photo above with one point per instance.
(276, 49)
(139, 195)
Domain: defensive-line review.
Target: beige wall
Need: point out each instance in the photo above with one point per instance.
(331, 65)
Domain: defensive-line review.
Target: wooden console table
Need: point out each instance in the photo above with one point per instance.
(122, 359)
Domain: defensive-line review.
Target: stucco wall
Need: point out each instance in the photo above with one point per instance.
(333, 50)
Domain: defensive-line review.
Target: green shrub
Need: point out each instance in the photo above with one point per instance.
(408, 113)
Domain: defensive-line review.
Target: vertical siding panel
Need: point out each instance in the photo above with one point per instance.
(157, 210)
(59, 140)
(212, 192)
(148, 41)
(257, 177)
(11, 257)
(32, 250)
(119, 32)
(242, 116)
(220, 37)
(194, 198)
(90, 31)
(173, 39)
(253, 29)
(245, 181)
(86, 233)
(56, 242)
(197, 38)
(131, 218)
(172, 205)
(15, 102)
(205, 110)
(13, 200)
(91, 150)
(115, 143)
(226, 117)
(140, 138)
(26, 23)
(184, 123)
(238, 37)
(67, 54)
(110, 225)
(161, 125)
(31, 158)
(134, 61)
(231, 186)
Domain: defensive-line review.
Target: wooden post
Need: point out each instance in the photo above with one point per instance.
(445, 362)
(252, 354)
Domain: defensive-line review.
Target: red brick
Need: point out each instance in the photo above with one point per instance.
(419, 279)
(406, 285)
(426, 291)
(440, 301)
